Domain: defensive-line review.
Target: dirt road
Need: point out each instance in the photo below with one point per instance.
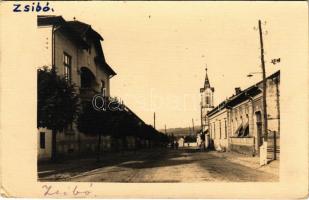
(175, 166)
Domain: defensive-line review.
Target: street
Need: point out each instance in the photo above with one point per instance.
(164, 165)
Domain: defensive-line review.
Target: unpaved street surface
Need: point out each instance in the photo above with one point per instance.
(184, 165)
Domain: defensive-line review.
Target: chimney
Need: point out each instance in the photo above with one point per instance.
(237, 90)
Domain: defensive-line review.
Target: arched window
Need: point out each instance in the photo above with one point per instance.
(220, 135)
(225, 129)
(87, 79)
(207, 100)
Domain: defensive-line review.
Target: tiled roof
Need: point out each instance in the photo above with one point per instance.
(83, 28)
(242, 96)
(78, 31)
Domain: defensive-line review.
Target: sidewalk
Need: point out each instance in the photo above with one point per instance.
(249, 161)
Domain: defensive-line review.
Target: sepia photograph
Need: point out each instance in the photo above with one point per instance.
(145, 99)
(160, 104)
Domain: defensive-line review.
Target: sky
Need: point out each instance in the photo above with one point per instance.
(160, 49)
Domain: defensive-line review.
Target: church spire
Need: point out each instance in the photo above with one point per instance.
(206, 83)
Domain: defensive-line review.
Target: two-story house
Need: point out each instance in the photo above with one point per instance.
(74, 49)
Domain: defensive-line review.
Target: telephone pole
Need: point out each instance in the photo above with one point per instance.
(265, 127)
(165, 129)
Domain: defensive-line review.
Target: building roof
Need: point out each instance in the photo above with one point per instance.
(51, 20)
(82, 29)
(80, 33)
(47, 20)
(242, 96)
(215, 110)
(206, 83)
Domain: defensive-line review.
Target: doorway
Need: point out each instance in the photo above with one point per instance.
(258, 117)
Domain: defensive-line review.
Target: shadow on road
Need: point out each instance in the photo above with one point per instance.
(140, 159)
(164, 159)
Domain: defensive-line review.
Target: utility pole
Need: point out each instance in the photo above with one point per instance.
(154, 120)
(264, 83)
(165, 129)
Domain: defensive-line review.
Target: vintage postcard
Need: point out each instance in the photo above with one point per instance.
(145, 99)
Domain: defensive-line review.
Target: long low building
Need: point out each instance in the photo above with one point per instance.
(236, 123)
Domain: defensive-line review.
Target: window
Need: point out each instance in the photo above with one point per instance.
(232, 126)
(220, 129)
(67, 61)
(236, 125)
(225, 129)
(207, 100)
(240, 110)
(247, 109)
(42, 140)
(214, 130)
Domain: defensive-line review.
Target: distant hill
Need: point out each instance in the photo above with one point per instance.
(178, 132)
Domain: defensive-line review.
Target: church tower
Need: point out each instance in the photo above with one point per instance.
(207, 102)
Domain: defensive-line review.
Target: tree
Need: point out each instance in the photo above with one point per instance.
(190, 138)
(128, 126)
(95, 123)
(58, 103)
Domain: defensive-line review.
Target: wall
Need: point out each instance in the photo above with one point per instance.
(44, 153)
(180, 142)
(273, 106)
(215, 121)
(80, 58)
(247, 111)
(190, 144)
(273, 111)
(63, 44)
(44, 39)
